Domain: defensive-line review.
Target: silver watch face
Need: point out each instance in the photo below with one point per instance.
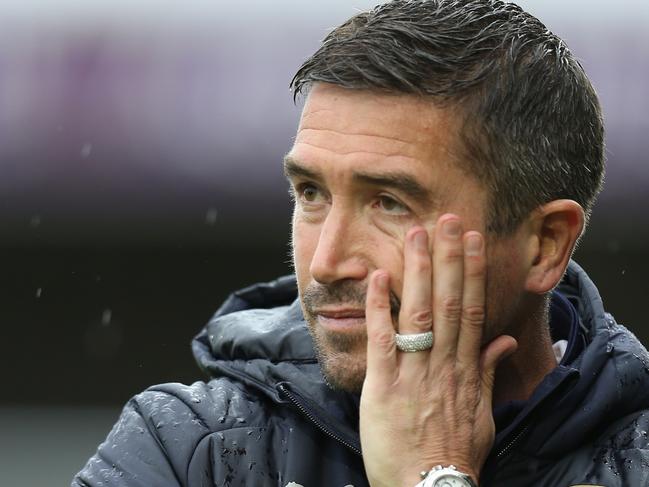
(451, 480)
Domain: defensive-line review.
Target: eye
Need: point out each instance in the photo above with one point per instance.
(392, 206)
(308, 193)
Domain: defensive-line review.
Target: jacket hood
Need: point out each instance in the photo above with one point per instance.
(259, 337)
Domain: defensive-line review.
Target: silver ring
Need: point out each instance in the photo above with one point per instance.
(415, 342)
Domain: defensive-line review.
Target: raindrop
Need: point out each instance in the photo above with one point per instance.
(106, 317)
(210, 216)
(86, 149)
(39, 292)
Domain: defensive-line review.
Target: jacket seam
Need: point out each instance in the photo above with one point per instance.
(163, 450)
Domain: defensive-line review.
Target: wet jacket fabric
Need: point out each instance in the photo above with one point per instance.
(267, 418)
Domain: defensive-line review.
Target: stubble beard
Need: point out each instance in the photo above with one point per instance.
(342, 356)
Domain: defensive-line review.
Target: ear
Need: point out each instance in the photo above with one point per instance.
(556, 227)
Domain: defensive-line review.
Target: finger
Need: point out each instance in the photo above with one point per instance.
(448, 263)
(473, 299)
(416, 315)
(381, 350)
(492, 355)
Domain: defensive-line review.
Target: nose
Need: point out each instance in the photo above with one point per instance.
(339, 252)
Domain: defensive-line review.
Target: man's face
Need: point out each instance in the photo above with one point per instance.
(365, 168)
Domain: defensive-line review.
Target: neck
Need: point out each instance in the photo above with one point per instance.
(518, 375)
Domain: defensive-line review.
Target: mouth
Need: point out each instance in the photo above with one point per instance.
(340, 319)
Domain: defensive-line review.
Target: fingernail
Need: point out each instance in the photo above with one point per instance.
(452, 228)
(473, 245)
(421, 240)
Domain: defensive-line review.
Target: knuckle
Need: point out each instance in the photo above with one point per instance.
(473, 315)
(384, 340)
(451, 307)
(422, 318)
(379, 303)
(475, 270)
(452, 255)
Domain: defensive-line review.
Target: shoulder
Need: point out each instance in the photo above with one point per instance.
(160, 431)
(217, 405)
(627, 433)
(620, 455)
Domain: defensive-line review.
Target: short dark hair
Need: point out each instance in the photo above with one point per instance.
(531, 120)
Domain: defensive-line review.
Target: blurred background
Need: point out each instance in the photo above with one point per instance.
(140, 183)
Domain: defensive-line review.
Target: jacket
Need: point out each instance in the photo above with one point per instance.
(266, 417)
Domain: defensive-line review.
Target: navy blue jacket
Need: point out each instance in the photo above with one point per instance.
(267, 418)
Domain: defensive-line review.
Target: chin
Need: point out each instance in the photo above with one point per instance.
(342, 360)
(342, 372)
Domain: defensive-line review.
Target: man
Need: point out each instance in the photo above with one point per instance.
(446, 160)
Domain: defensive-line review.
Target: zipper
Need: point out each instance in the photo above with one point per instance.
(510, 445)
(299, 405)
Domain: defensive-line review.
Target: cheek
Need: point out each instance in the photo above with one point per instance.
(505, 288)
(304, 241)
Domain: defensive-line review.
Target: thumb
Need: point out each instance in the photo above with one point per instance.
(492, 355)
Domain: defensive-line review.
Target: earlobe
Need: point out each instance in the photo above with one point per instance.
(556, 227)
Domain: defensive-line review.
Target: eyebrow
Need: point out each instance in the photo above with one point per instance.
(397, 180)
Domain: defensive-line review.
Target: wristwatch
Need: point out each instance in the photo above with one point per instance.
(441, 476)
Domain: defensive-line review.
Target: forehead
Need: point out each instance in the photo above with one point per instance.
(367, 126)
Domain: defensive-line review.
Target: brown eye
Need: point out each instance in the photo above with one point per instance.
(391, 205)
(310, 193)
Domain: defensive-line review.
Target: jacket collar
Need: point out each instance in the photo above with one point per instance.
(259, 337)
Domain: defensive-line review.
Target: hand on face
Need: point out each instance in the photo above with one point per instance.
(432, 407)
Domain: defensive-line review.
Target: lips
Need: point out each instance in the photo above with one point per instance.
(340, 319)
(340, 313)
